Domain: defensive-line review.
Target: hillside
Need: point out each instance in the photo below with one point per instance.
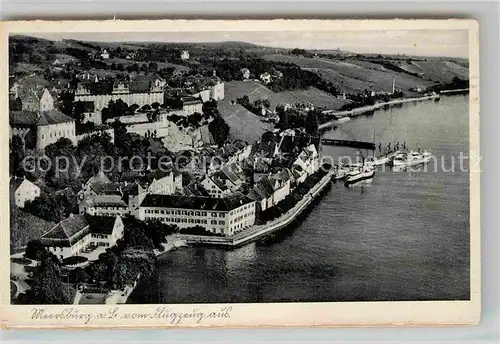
(353, 75)
(243, 124)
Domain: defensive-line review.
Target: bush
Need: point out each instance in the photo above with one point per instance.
(74, 260)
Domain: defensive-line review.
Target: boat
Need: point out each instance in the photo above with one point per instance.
(367, 172)
(411, 159)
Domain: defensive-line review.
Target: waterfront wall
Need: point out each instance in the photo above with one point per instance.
(255, 232)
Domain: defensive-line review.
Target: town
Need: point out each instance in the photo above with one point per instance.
(161, 149)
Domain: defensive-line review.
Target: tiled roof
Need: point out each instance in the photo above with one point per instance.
(26, 118)
(67, 232)
(195, 189)
(101, 224)
(217, 178)
(22, 118)
(227, 203)
(106, 201)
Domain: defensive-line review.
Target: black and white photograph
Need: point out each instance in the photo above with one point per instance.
(239, 167)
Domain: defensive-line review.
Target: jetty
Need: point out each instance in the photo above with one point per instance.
(364, 109)
(255, 232)
(348, 143)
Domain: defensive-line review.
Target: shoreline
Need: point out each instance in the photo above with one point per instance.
(254, 232)
(364, 109)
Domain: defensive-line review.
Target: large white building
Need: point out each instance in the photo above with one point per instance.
(224, 216)
(22, 190)
(44, 126)
(77, 233)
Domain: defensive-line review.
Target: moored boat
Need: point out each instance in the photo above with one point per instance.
(411, 159)
(366, 172)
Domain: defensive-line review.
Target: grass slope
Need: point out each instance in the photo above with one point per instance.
(353, 75)
(243, 124)
(25, 227)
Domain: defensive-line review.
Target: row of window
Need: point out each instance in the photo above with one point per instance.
(99, 236)
(241, 217)
(58, 134)
(179, 220)
(182, 212)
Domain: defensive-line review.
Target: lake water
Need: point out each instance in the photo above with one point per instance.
(402, 236)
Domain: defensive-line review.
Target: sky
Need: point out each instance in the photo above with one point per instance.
(451, 43)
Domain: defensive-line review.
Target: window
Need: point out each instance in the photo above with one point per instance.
(163, 212)
(197, 213)
(204, 222)
(204, 213)
(214, 222)
(222, 222)
(191, 220)
(191, 213)
(197, 222)
(214, 214)
(222, 215)
(167, 212)
(43, 137)
(184, 220)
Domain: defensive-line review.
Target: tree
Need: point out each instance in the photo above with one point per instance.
(283, 117)
(47, 288)
(155, 105)
(16, 104)
(35, 250)
(16, 156)
(311, 123)
(219, 130)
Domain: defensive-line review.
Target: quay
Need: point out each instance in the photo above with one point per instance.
(457, 91)
(365, 109)
(255, 232)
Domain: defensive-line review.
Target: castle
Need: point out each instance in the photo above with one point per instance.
(121, 91)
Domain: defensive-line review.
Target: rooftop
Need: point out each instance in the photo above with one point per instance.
(28, 118)
(228, 203)
(67, 232)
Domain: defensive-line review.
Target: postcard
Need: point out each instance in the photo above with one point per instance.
(240, 173)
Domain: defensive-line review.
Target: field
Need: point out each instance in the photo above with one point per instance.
(255, 90)
(243, 124)
(353, 75)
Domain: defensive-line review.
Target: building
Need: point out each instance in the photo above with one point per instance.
(191, 105)
(104, 54)
(166, 185)
(308, 160)
(62, 60)
(215, 186)
(185, 55)
(272, 189)
(105, 230)
(121, 90)
(88, 112)
(265, 78)
(224, 216)
(105, 205)
(40, 129)
(79, 233)
(245, 73)
(23, 190)
(68, 238)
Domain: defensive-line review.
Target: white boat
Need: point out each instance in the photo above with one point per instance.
(411, 159)
(366, 172)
